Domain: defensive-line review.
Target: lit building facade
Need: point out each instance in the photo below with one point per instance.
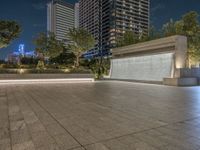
(90, 18)
(130, 15)
(15, 56)
(76, 13)
(60, 18)
(109, 19)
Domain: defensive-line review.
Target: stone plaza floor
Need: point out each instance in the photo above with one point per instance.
(107, 115)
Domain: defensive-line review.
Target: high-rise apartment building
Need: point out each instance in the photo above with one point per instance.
(131, 15)
(76, 13)
(109, 19)
(90, 17)
(60, 18)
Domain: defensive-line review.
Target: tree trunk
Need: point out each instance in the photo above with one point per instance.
(77, 61)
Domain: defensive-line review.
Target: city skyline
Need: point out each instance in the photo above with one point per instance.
(35, 11)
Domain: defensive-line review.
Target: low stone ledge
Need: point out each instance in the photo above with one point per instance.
(46, 81)
(43, 76)
(189, 72)
(181, 81)
(136, 81)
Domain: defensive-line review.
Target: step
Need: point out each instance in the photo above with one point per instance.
(181, 81)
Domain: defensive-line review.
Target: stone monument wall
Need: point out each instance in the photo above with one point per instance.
(149, 61)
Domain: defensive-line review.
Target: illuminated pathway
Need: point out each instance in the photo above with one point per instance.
(99, 116)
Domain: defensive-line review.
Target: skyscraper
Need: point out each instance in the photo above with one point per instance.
(60, 18)
(90, 17)
(132, 15)
(76, 10)
(109, 19)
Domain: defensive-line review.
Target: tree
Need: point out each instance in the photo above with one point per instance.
(48, 46)
(29, 60)
(41, 43)
(54, 47)
(65, 58)
(191, 29)
(153, 34)
(194, 50)
(80, 41)
(179, 27)
(169, 28)
(9, 30)
(188, 26)
(128, 38)
(100, 67)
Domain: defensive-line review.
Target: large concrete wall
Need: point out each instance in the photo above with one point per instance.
(149, 61)
(143, 68)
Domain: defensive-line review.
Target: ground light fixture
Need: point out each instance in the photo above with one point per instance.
(46, 81)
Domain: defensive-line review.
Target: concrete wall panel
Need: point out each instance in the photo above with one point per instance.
(150, 61)
(145, 68)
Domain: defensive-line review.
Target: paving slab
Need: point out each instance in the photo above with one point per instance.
(107, 115)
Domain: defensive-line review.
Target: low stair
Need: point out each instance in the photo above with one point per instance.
(181, 81)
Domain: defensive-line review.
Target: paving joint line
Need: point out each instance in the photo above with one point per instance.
(9, 126)
(24, 98)
(57, 121)
(133, 133)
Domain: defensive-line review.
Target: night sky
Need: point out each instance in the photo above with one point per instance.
(31, 14)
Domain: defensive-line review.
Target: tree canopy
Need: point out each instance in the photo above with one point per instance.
(169, 28)
(128, 38)
(48, 46)
(9, 30)
(188, 26)
(80, 42)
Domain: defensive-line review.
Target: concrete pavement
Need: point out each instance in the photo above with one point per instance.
(99, 116)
